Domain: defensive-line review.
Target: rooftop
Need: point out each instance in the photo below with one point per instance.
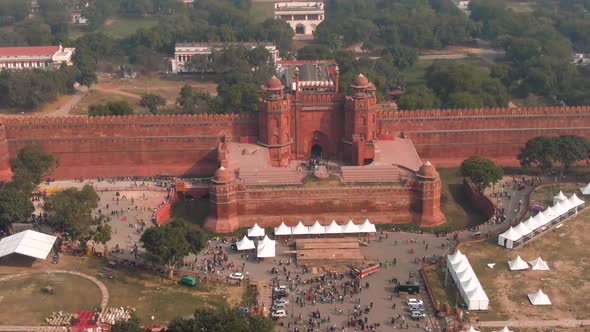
(29, 51)
(318, 73)
(222, 44)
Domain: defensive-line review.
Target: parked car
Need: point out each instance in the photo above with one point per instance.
(280, 306)
(416, 307)
(188, 281)
(279, 314)
(237, 276)
(280, 301)
(415, 302)
(416, 315)
(281, 289)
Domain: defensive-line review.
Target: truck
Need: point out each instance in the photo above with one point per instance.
(364, 270)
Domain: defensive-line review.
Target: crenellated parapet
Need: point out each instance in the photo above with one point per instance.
(483, 112)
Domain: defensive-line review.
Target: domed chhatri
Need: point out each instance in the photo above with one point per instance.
(274, 84)
(428, 170)
(361, 82)
(222, 175)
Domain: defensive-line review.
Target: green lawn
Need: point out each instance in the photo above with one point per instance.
(416, 75)
(436, 279)
(122, 27)
(260, 11)
(544, 195)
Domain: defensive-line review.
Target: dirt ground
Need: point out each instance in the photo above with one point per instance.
(566, 251)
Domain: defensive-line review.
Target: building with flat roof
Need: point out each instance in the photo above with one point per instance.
(184, 51)
(303, 16)
(35, 57)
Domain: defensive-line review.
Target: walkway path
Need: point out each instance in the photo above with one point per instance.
(536, 323)
(103, 289)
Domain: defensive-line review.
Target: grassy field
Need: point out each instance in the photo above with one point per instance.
(122, 27)
(454, 203)
(24, 303)
(436, 278)
(544, 195)
(261, 11)
(416, 75)
(101, 97)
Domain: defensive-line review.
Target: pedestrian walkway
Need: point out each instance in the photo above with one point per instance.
(537, 323)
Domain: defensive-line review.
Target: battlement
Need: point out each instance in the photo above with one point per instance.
(482, 112)
(306, 62)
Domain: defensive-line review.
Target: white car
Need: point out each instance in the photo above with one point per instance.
(282, 289)
(279, 314)
(237, 276)
(280, 306)
(415, 302)
(280, 302)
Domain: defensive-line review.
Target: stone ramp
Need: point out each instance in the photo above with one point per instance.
(371, 174)
(270, 176)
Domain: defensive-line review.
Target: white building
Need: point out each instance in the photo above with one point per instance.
(462, 4)
(30, 57)
(184, 51)
(303, 16)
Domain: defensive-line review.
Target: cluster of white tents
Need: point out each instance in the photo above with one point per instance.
(536, 265)
(562, 208)
(471, 291)
(266, 247)
(471, 329)
(332, 228)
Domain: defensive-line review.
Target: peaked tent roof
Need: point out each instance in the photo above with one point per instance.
(255, 231)
(316, 228)
(367, 227)
(558, 209)
(521, 228)
(575, 200)
(560, 196)
(518, 264)
(283, 229)
(540, 219)
(566, 205)
(504, 329)
(456, 257)
(333, 228)
(531, 223)
(539, 264)
(511, 234)
(470, 329)
(470, 284)
(466, 275)
(299, 229)
(477, 294)
(266, 248)
(28, 243)
(549, 214)
(539, 298)
(585, 190)
(245, 244)
(350, 227)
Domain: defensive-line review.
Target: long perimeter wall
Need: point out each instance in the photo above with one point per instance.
(447, 137)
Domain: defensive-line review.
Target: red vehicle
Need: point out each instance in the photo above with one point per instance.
(362, 271)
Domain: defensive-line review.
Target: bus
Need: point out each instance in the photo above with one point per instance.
(362, 271)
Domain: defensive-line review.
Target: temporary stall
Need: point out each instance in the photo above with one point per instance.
(245, 244)
(549, 214)
(255, 231)
(539, 298)
(558, 198)
(585, 190)
(470, 329)
(541, 220)
(350, 228)
(509, 239)
(523, 230)
(29, 243)
(532, 224)
(467, 282)
(299, 229)
(504, 329)
(283, 229)
(470, 284)
(567, 206)
(518, 264)
(316, 229)
(367, 227)
(477, 299)
(539, 264)
(266, 248)
(333, 228)
(456, 257)
(576, 202)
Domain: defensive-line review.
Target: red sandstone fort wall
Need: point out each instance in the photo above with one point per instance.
(446, 137)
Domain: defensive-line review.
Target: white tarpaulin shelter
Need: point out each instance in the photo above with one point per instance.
(255, 231)
(245, 244)
(508, 238)
(518, 264)
(350, 228)
(585, 190)
(283, 229)
(558, 198)
(299, 229)
(470, 329)
(333, 228)
(28, 243)
(266, 248)
(504, 329)
(367, 227)
(550, 214)
(467, 282)
(316, 228)
(575, 200)
(522, 229)
(539, 298)
(539, 264)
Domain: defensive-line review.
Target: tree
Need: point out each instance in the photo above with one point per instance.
(131, 325)
(570, 149)
(168, 245)
(86, 63)
(71, 211)
(224, 319)
(15, 207)
(538, 151)
(102, 234)
(111, 108)
(418, 98)
(30, 166)
(481, 171)
(151, 101)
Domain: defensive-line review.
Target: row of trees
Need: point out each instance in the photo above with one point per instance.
(543, 152)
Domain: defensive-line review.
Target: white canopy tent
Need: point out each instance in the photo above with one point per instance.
(470, 329)
(518, 264)
(266, 248)
(539, 264)
(333, 228)
(540, 219)
(575, 200)
(350, 228)
(508, 238)
(477, 299)
(467, 282)
(559, 197)
(549, 214)
(367, 227)
(585, 190)
(255, 231)
(283, 229)
(299, 229)
(504, 329)
(316, 229)
(245, 244)
(532, 224)
(456, 257)
(522, 229)
(29, 243)
(539, 298)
